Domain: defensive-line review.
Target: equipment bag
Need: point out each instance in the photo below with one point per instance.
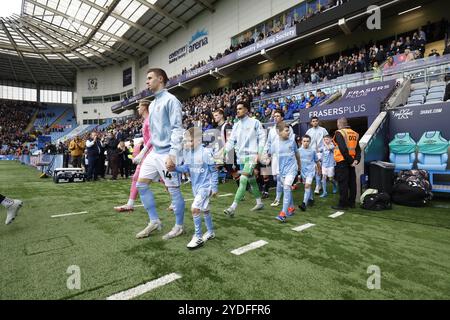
(377, 202)
(412, 188)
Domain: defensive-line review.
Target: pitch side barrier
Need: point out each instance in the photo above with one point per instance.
(43, 162)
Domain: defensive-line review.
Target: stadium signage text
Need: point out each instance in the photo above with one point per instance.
(362, 101)
(363, 93)
(420, 119)
(198, 40)
(276, 39)
(330, 112)
(403, 114)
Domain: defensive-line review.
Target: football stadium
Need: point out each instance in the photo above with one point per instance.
(224, 150)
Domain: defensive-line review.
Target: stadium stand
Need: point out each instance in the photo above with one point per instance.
(14, 118)
(83, 64)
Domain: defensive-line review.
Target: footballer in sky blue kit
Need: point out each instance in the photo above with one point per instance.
(328, 163)
(309, 160)
(199, 162)
(288, 164)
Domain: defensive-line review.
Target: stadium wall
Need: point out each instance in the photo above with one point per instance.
(229, 19)
(109, 81)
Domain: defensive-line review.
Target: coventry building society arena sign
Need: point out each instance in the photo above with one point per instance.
(198, 40)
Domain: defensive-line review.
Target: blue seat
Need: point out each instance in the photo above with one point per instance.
(435, 95)
(422, 91)
(402, 161)
(416, 100)
(437, 89)
(432, 162)
(433, 152)
(402, 151)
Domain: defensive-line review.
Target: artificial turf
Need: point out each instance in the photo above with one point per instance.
(411, 246)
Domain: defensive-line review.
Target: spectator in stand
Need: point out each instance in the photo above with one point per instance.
(389, 63)
(434, 53)
(76, 148)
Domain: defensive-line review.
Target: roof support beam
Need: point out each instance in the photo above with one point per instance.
(18, 51)
(24, 37)
(70, 36)
(205, 4)
(13, 70)
(164, 13)
(41, 32)
(79, 55)
(62, 56)
(119, 17)
(89, 26)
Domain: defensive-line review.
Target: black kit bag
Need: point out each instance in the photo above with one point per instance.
(412, 188)
(377, 202)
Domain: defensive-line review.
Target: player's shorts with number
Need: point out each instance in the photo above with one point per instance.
(247, 166)
(154, 167)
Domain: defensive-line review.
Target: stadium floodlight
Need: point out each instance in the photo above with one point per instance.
(265, 54)
(324, 40)
(216, 73)
(344, 27)
(264, 61)
(409, 10)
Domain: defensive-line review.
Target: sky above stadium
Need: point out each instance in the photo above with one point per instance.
(9, 7)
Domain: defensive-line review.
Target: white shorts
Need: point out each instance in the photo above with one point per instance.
(153, 167)
(274, 165)
(201, 200)
(288, 180)
(308, 179)
(329, 172)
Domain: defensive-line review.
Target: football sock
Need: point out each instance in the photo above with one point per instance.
(208, 221)
(148, 200)
(178, 204)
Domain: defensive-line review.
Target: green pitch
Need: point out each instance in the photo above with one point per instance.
(411, 246)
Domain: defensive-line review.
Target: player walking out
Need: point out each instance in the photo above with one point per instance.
(199, 162)
(248, 139)
(165, 119)
(143, 112)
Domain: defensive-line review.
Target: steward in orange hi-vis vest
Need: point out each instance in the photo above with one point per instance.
(351, 141)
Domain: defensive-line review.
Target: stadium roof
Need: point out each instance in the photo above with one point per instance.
(52, 39)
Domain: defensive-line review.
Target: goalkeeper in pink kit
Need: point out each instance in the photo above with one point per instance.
(144, 113)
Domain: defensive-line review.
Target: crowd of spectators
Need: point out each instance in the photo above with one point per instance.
(45, 115)
(14, 118)
(263, 34)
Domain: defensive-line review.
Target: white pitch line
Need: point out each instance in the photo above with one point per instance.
(251, 246)
(68, 214)
(303, 227)
(336, 214)
(143, 288)
(225, 195)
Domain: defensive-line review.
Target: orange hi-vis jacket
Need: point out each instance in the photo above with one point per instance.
(351, 140)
